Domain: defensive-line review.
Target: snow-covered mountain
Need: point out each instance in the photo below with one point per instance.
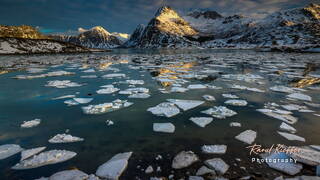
(166, 29)
(209, 29)
(96, 37)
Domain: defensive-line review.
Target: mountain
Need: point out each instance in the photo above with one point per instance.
(20, 32)
(96, 37)
(205, 14)
(166, 29)
(11, 45)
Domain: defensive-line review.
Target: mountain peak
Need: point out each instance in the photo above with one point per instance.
(100, 29)
(207, 14)
(163, 10)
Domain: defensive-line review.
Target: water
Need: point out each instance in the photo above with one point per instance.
(22, 100)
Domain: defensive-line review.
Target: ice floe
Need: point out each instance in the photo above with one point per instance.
(218, 165)
(197, 86)
(282, 89)
(163, 127)
(139, 96)
(106, 107)
(8, 150)
(277, 114)
(185, 104)
(247, 136)
(201, 121)
(165, 109)
(236, 102)
(220, 112)
(115, 75)
(135, 82)
(291, 137)
(30, 124)
(235, 124)
(109, 122)
(113, 168)
(108, 90)
(62, 84)
(49, 74)
(214, 149)
(299, 96)
(69, 175)
(45, 158)
(231, 96)
(178, 89)
(184, 159)
(287, 127)
(25, 154)
(64, 97)
(209, 97)
(306, 156)
(64, 138)
(288, 167)
(203, 170)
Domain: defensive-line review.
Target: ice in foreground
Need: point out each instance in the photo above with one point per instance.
(113, 168)
(286, 167)
(201, 121)
(184, 159)
(165, 109)
(30, 124)
(291, 137)
(106, 107)
(300, 96)
(64, 138)
(45, 158)
(62, 84)
(217, 164)
(8, 150)
(236, 102)
(25, 154)
(69, 175)
(220, 112)
(163, 127)
(287, 127)
(214, 149)
(247, 136)
(307, 156)
(185, 104)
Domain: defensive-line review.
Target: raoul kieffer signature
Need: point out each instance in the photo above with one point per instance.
(278, 148)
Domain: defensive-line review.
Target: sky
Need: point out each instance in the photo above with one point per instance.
(56, 16)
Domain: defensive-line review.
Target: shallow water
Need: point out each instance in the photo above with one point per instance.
(22, 100)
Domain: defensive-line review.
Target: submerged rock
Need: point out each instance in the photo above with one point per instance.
(64, 138)
(184, 159)
(165, 109)
(25, 154)
(220, 112)
(291, 137)
(30, 124)
(185, 104)
(236, 102)
(164, 127)
(214, 149)
(218, 165)
(201, 121)
(113, 168)
(247, 136)
(8, 150)
(45, 158)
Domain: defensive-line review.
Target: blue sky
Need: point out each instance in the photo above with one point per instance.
(121, 15)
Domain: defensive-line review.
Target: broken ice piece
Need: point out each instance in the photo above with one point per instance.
(231, 96)
(115, 75)
(25, 154)
(178, 89)
(299, 96)
(220, 112)
(72, 175)
(109, 122)
(184, 159)
(282, 89)
(45, 158)
(64, 97)
(8, 150)
(291, 137)
(165, 109)
(214, 149)
(62, 84)
(30, 124)
(286, 167)
(287, 127)
(196, 86)
(247, 136)
(209, 98)
(235, 124)
(185, 104)
(106, 107)
(201, 121)
(135, 82)
(82, 100)
(139, 96)
(236, 102)
(64, 138)
(107, 90)
(163, 127)
(306, 155)
(218, 165)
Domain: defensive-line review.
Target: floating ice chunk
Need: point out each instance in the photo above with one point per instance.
(185, 104)
(209, 98)
(49, 74)
(139, 96)
(82, 100)
(236, 86)
(115, 75)
(197, 86)
(247, 136)
(294, 107)
(109, 122)
(35, 70)
(163, 127)
(62, 84)
(220, 112)
(135, 82)
(286, 167)
(214, 149)
(306, 156)
(255, 90)
(178, 89)
(282, 89)
(30, 124)
(108, 90)
(299, 96)
(316, 147)
(291, 137)
(149, 170)
(8, 150)
(107, 86)
(231, 96)
(64, 138)
(283, 117)
(287, 127)
(236, 102)
(235, 124)
(184, 159)
(204, 170)
(165, 109)
(214, 87)
(89, 76)
(134, 91)
(218, 165)
(243, 77)
(106, 107)
(195, 178)
(45, 158)
(89, 71)
(71, 102)
(64, 97)
(70, 175)
(25, 154)
(113, 168)
(201, 121)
